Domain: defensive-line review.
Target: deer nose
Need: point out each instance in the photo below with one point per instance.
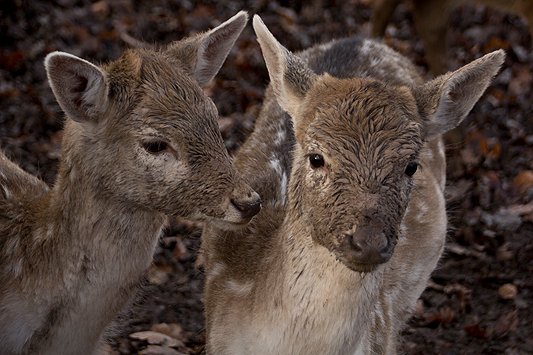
(249, 206)
(370, 245)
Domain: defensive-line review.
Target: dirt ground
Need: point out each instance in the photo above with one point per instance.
(479, 299)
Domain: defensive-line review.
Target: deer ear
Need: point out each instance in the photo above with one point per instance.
(204, 54)
(80, 87)
(445, 101)
(290, 77)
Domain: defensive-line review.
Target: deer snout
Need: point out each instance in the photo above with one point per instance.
(370, 245)
(241, 206)
(249, 205)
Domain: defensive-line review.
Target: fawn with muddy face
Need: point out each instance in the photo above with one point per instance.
(353, 218)
(141, 142)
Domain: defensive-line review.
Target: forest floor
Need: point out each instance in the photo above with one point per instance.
(479, 299)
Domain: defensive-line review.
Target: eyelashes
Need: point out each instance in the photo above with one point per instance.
(155, 147)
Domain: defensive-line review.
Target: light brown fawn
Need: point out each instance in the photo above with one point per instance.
(353, 219)
(431, 22)
(141, 142)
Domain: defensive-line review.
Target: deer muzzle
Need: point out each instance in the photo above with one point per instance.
(248, 206)
(369, 245)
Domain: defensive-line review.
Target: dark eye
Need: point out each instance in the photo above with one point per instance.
(316, 161)
(410, 169)
(155, 147)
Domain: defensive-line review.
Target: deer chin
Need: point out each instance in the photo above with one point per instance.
(232, 220)
(361, 269)
(224, 225)
(356, 265)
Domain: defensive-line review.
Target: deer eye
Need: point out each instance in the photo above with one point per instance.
(410, 169)
(155, 147)
(316, 161)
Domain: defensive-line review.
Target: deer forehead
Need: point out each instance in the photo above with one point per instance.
(154, 76)
(362, 117)
(167, 87)
(362, 96)
(160, 95)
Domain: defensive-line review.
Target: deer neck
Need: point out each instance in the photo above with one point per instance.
(310, 265)
(96, 228)
(337, 302)
(86, 255)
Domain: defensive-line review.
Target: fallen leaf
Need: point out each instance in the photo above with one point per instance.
(156, 338)
(460, 250)
(158, 274)
(523, 181)
(443, 315)
(504, 252)
(490, 148)
(507, 291)
(100, 8)
(463, 293)
(171, 329)
(506, 323)
(477, 331)
(159, 350)
(457, 288)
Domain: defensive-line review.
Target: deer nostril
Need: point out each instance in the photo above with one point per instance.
(355, 243)
(248, 208)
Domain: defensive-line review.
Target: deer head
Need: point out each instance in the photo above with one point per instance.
(143, 133)
(358, 143)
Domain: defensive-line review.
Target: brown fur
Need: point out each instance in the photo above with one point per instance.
(431, 21)
(292, 282)
(71, 256)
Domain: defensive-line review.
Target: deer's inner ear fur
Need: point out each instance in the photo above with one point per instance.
(445, 101)
(204, 54)
(290, 77)
(80, 87)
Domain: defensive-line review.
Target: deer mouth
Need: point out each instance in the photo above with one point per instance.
(359, 260)
(359, 267)
(225, 225)
(239, 214)
(236, 215)
(232, 220)
(358, 257)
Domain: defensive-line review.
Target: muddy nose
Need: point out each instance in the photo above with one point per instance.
(370, 245)
(249, 206)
